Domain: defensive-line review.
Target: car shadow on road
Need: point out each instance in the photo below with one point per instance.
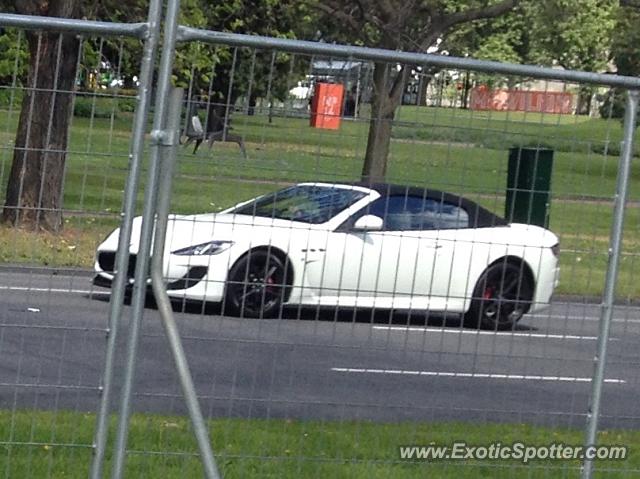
(346, 315)
(375, 316)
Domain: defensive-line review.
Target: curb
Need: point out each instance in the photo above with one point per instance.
(43, 270)
(593, 300)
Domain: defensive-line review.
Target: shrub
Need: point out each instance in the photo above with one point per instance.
(10, 98)
(96, 107)
(88, 106)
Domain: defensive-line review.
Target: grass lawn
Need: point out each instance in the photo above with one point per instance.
(456, 150)
(58, 445)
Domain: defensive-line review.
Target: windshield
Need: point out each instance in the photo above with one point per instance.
(313, 204)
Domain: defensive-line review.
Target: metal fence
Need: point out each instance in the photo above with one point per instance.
(364, 350)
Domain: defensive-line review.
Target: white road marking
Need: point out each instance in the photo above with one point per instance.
(579, 318)
(490, 333)
(52, 290)
(525, 377)
(565, 304)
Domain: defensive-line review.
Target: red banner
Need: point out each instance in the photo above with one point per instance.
(521, 100)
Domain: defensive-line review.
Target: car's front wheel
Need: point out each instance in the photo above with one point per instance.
(501, 297)
(256, 285)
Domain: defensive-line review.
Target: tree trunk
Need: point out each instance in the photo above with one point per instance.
(423, 85)
(253, 101)
(386, 99)
(466, 90)
(375, 160)
(584, 101)
(34, 189)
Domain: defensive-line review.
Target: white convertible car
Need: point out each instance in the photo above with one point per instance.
(351, 245)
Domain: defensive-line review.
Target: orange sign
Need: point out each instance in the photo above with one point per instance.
(326, 106)
(521, 100)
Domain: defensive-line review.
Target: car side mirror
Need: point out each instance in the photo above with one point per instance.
(369, 223)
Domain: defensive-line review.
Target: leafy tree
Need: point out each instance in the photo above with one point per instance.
(210, 69)
(503, 39)
(625, 54)
(413, 25)
(574, 34)
(34, 190)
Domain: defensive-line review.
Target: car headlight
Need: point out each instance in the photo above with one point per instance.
(204, 249)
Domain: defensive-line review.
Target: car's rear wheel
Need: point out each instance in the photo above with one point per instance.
(501, 297)
(256, 285)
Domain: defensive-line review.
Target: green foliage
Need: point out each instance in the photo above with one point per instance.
(13, 56)
(575, 34)
(102, 106)
(496, 47)
(209, 69)
(127, 105)
(625, 42)
(10, 98)
(613, 104)
(93, 108)
(501, 39)
(625, 53)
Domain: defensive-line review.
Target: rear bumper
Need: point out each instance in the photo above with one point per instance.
(546, 284)
(102, 281)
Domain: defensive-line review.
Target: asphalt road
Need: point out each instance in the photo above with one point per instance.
(317, 365)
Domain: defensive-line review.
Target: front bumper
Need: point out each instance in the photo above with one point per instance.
(183, 279)
(194, 275)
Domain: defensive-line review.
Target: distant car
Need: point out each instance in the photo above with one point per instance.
(353, 245)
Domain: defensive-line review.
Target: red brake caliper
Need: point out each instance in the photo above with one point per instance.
(269, 281)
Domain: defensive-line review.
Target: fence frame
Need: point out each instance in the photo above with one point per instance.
(149, 32)
(615, 251)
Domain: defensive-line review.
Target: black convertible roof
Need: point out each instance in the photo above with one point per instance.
(479, 217)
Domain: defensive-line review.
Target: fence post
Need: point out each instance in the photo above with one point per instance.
(128, 212)
(615, 244)
(169, 138)
(146, 236)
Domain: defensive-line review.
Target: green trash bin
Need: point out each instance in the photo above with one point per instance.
(529, 186)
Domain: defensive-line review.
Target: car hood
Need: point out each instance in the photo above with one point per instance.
(189, 230)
